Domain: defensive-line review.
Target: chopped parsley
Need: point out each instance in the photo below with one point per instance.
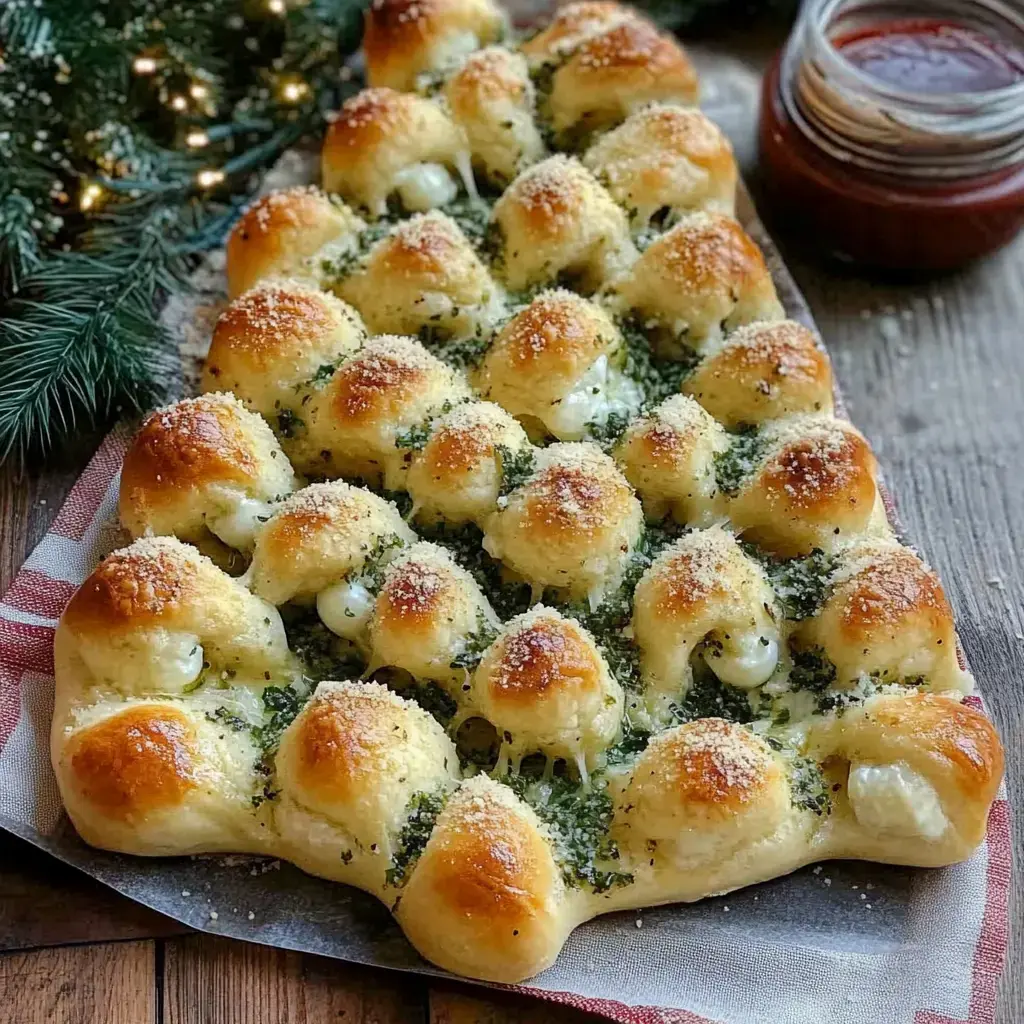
(516, 467)
(709, 697)
(288, 424)
(802, 584)
(607, 432)
(807, 786)
(739, 460)
(579, 818)
(658, 378)
(371, 574)
(222, 716)
(323, 654)
(433, 700)
(476, 643)
(812, 669)
(421, 816)
(282, 704)
(416, 437)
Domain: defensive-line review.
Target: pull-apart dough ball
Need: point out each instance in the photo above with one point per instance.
(556, 218)
(555, 366)
(391, 385)
(402, 39)
(763, 371)
(456, 476)
(492, 98)
(271, 342)
(203, 465)
(571, 25)
(286, 234)
(425, 274)
(571, 525)
(384, 142)
(669, 457)
(347, 768)
(486, 898)
(701, 279)
(703, 590)
(321, 535)
(666, 160)
(151, 614)
(545, 688)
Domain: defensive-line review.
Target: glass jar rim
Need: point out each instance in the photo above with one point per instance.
(864, 121)
(820, 14)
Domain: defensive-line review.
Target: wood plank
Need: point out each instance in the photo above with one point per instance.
(109, 983)
(450, 1004)
(208, 980)
(44, 902)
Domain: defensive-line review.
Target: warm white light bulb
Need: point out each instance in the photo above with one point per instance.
(197, 139)
(292, 92)
(90, 196)
(275, 6)
(178, 102)
(209, 178)
(144, 65)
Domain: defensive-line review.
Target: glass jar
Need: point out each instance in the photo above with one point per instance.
(892, 133)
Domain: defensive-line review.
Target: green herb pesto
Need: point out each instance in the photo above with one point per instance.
(808, 788)
(516, 467)
(323, 654)
(709, 697)
(421, 816)
(802, 584)
(415, 438)
(579, 818)
(476, 643)
(222, 716)
(812, 670)
(371, 574)
(607, 432)
(739, 460)
(433, 700)
(658, 378)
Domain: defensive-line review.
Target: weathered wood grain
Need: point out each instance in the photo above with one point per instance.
(107, 983)
(207, 980)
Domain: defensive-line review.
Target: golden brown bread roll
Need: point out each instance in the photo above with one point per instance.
(700, 280)
(665, 161)
(402, 39)
(556, 367)
(203, 466)
(545, 687)
(809, 481)
(886, 617)
(320, 535)
(763, 371)
(571, 25)
(669, 457)
(384, 142)
(616, 72)
(492, 97)
(273, 341)
(702, 789)
(571, 525)
(285, 233)
(347, 768)
(704, 596)
(424, 277)
(486, 896)
(456, 476)
(155, 616)
(557, 219)
(355, 422)
(428, 613)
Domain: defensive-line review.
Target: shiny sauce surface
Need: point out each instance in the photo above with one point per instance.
(928, 55)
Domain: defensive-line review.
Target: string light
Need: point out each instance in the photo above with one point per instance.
(209, 178)
(276, 6)
(144, 65)
(179, 102)
(294, 90)
(198, 91)
(90, 196)
(197, 139)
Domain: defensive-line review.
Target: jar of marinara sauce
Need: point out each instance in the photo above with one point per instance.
(892, 133)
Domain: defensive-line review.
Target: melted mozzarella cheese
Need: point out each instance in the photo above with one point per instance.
(894, 799)
(237, 527)
(345, 608)
(425, 186)
(600, 393)
(744, 661)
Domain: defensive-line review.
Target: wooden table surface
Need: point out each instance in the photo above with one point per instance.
(933, 373)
